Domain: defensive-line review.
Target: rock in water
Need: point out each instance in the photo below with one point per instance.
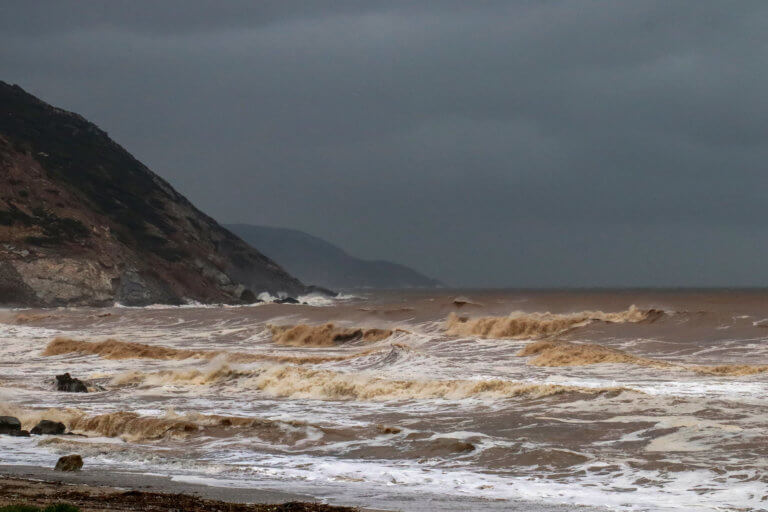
(66, 383)
(9, 425)
(49, 428)
(69, 463)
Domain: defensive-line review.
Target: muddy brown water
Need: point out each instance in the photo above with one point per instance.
(444, 409)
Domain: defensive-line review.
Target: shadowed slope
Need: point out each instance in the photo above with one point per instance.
(83, 222)
(314, 260)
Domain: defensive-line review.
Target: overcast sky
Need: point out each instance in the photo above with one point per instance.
(508, 143)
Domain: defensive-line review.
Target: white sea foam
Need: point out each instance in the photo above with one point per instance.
(392, 483)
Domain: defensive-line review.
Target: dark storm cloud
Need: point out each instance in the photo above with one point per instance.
(535, 143)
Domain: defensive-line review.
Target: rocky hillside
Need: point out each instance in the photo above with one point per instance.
(82, 222)
(314, 260)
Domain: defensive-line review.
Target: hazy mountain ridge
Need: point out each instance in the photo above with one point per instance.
(315, 260)
(82, 222)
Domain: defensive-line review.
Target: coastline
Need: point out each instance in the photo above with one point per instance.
(124, 491)
(324, 430)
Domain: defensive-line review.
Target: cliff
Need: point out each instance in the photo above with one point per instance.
(82, 222)
(317, 261)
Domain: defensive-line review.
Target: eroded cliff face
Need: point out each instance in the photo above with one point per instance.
(82, 222)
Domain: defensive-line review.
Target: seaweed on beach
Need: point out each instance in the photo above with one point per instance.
(41, 496)
(58, 507)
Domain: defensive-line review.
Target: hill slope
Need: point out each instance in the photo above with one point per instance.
(315, 260)
(82, 222)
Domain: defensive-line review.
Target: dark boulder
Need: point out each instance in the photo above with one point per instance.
(66, 383)
(287, 300)
(48, 428)
(248, 297)
(9, 425)
(69, 463)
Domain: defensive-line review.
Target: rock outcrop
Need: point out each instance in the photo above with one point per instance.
(69, 463)
(11, 426)
(82, 222)
(48, 428)
(67, 383)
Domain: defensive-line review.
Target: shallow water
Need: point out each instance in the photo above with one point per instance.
(426, 418)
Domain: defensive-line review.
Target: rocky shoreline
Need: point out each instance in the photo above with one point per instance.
(83, 223)
(97, 492)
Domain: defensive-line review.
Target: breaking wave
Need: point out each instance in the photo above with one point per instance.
(115, 349)
(729, 370)
(30, 417)
(133, 427)
(295, 382)
(566, 353)
(462, 301)
(25, 318)
(127, 425)
(298, 382)
(194, 377)
(520, 325)
(326, 335)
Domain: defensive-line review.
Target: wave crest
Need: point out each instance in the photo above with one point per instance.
(566, 353)
(520, 325)
(115, 349)
(25, 318)
(729, 370)
(326, 335)
(299, 382)
(133, 427)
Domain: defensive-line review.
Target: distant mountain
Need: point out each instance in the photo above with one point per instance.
(314, 260)
(82, 222)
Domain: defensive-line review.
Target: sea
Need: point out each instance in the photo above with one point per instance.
(627, 400)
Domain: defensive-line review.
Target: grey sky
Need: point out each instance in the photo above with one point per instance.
(528, 143)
